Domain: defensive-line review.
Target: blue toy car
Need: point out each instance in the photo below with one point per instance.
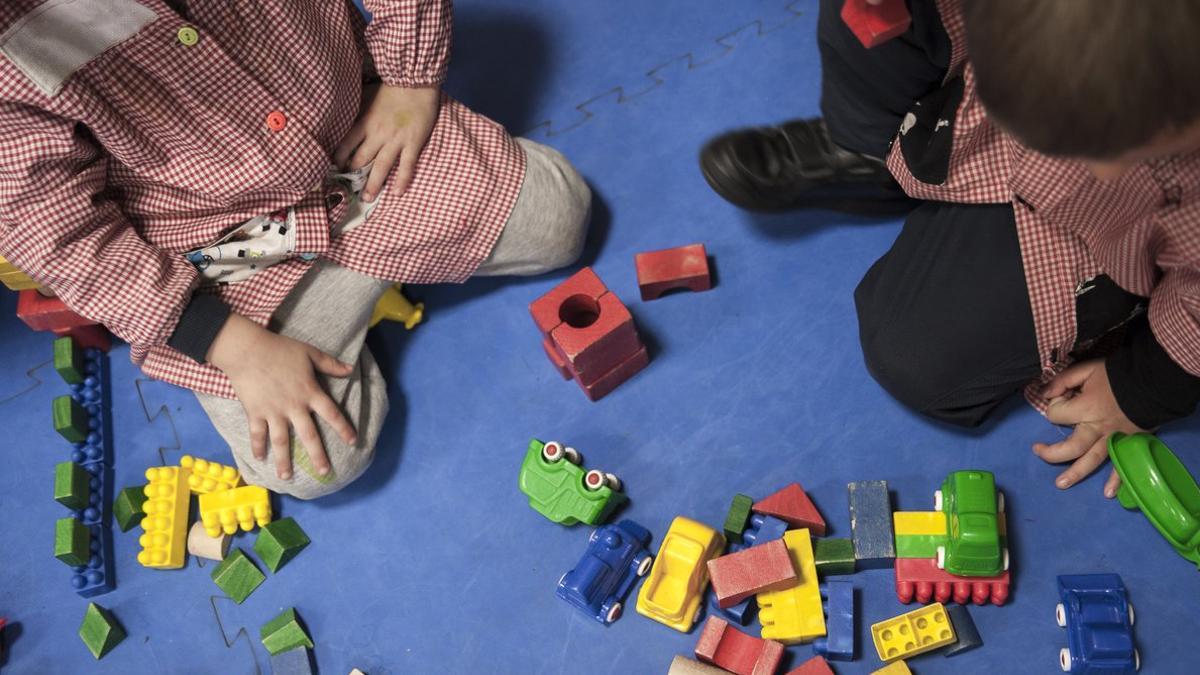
(616, 557)
(1099, 623)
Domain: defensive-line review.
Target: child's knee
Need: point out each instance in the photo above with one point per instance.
(347, 464)
(564, 202)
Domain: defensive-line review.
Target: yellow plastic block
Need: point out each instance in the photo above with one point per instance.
(674, 588)
(14, 278)
(393, 306)
(209, 476)
(164, 537)
(920, 522)
(893, 668)
(794, 614)
(229, 509)
(916, 632)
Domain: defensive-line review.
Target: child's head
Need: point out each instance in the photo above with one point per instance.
(1109, 82)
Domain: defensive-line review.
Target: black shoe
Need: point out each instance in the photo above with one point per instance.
(797, 165)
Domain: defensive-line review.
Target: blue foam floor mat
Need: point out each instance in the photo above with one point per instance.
(434, 562)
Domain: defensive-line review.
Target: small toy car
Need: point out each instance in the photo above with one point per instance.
(1099, 623)
(971, 502)
(616, 558)
(673, 592)
(562, 491)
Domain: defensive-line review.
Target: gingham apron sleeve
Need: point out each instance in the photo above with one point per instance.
(1175, 316)
(409, 40)
(59, 227)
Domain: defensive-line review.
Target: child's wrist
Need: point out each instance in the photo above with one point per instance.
(231, 341)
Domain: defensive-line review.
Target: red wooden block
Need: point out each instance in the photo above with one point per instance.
(90, 337)
(729, 648)
(681, 267)
(758, 569)
(921, 578)
(546, 309)
(793, 506)
(814, 666)
(604, 385)
(874, 25)
(42, 313)
(560, 364)
(595, 336)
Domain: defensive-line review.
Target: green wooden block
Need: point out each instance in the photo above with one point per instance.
(279, 542)
(284, 632)
(71, 485)
(129, 507)
(237, 576)
(833, 556)
(70, 419)
(68, 360)
(100, 630)
(72, 542)
(735, 519)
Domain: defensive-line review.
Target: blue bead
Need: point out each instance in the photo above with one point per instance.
(78, 582)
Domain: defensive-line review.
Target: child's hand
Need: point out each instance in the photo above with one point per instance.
(1081, 396)
(273, 377)
(393, 125)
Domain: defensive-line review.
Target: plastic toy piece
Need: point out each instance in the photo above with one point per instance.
(1156, 482)
(71, 485)
(871, 524)
(96, 577)
(682, 665)
(921, 579)
(99, 486)
(100, 630)
(839, 622)
(296, 661)
(674, 589)
(562, 491)
(237, 576)
(284, 632)
(794, 614)
(758, 569)
(916, 632)
(737, 517)
(762, 529)
(393, 306)
(874, 25)
(71, 540)
(43, 313)
(814, 666)
(68, 360)
(201, 545)
(70, 419)
(971, 504)
(164, 537)
(793, 506)
(209, 476)
(833, 556)
(279, 542)
(1099, 622)
(227, 510)
(919, 523)
(668, 269)
(893, 668)
(926, 545)
(615, 559)
(965, 633)
(732, 650)
(129, 507)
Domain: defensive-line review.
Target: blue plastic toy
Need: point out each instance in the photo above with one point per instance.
(838, 644)
(1099, 623)
(616, 557)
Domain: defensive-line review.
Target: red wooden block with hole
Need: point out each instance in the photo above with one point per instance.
(730, 649)
(560, 364)
(874, 25)
(681, 267)
(612, 379)
(921, 579)
(758, 569)
(814, 666)
(42, 313)
(792, 505)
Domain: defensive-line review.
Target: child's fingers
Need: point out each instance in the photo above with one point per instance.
(306, 432)
(280, 441)
(349, 143)
(1084, 466)
(1072, 410)
(366, 152)
(328, 410)
(1112, 484)
(1064, 451)
(384, 162)
(258, 438)
(324, 363)
(1071, 378)
(407, 168)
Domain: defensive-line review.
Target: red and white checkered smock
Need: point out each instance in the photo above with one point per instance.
(155, 147)
(1142, 230)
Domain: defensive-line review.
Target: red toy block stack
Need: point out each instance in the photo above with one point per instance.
(44, 313)
(680, 267)
(730, 649)
(588, 334)
(874, 25)
(922, 579)
(792, 505)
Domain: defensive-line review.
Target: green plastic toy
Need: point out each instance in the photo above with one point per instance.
(561, 490)
(970, 502)
(1156, 482)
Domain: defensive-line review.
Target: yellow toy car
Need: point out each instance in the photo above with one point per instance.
(674, 590)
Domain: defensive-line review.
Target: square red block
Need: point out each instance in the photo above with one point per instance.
(668, 269)
(758, 569)
(604, 385)
(729, 648)
(47, 314)
(874, 25)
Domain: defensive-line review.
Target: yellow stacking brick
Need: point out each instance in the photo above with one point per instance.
(794, 614)
(393, 306)
(209, 476)
(164, 540)
(919, 522)
(893, 668)
(916, 632)
(227, 510)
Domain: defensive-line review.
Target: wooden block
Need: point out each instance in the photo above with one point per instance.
(833, 556)
(70, 419)
(237, 576)
(68, 360)
(737, 517)
(792, 505)
(71, 485)
(72, 542)
(100, 630)
(617, 376)
(730, 649)
(814, 666)
(557, 360)
(595, 335)
(871, 524)
(284, 632)
(874, 25)
(88, 337)
(682, 665)
(200, 544)
(42, 313)
(672, 268)
(758, 569)
(965, 633)
(296, 661)
(129, 507)
(546, 309)
(278, 542)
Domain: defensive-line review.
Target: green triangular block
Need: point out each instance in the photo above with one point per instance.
(237, 576)
(129, 507)
(100, 630)
(279, 542)
(71, 542)
(70, 419)
(284, 632)
(68, 360)
(71, 485)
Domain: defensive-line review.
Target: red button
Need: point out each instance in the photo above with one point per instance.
(276, 121)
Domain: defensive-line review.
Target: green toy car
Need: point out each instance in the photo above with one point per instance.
(970, 501)
(561, 490)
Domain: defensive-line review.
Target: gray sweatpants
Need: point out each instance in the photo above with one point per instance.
(331, 307)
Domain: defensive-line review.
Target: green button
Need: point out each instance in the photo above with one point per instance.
(188, 36)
